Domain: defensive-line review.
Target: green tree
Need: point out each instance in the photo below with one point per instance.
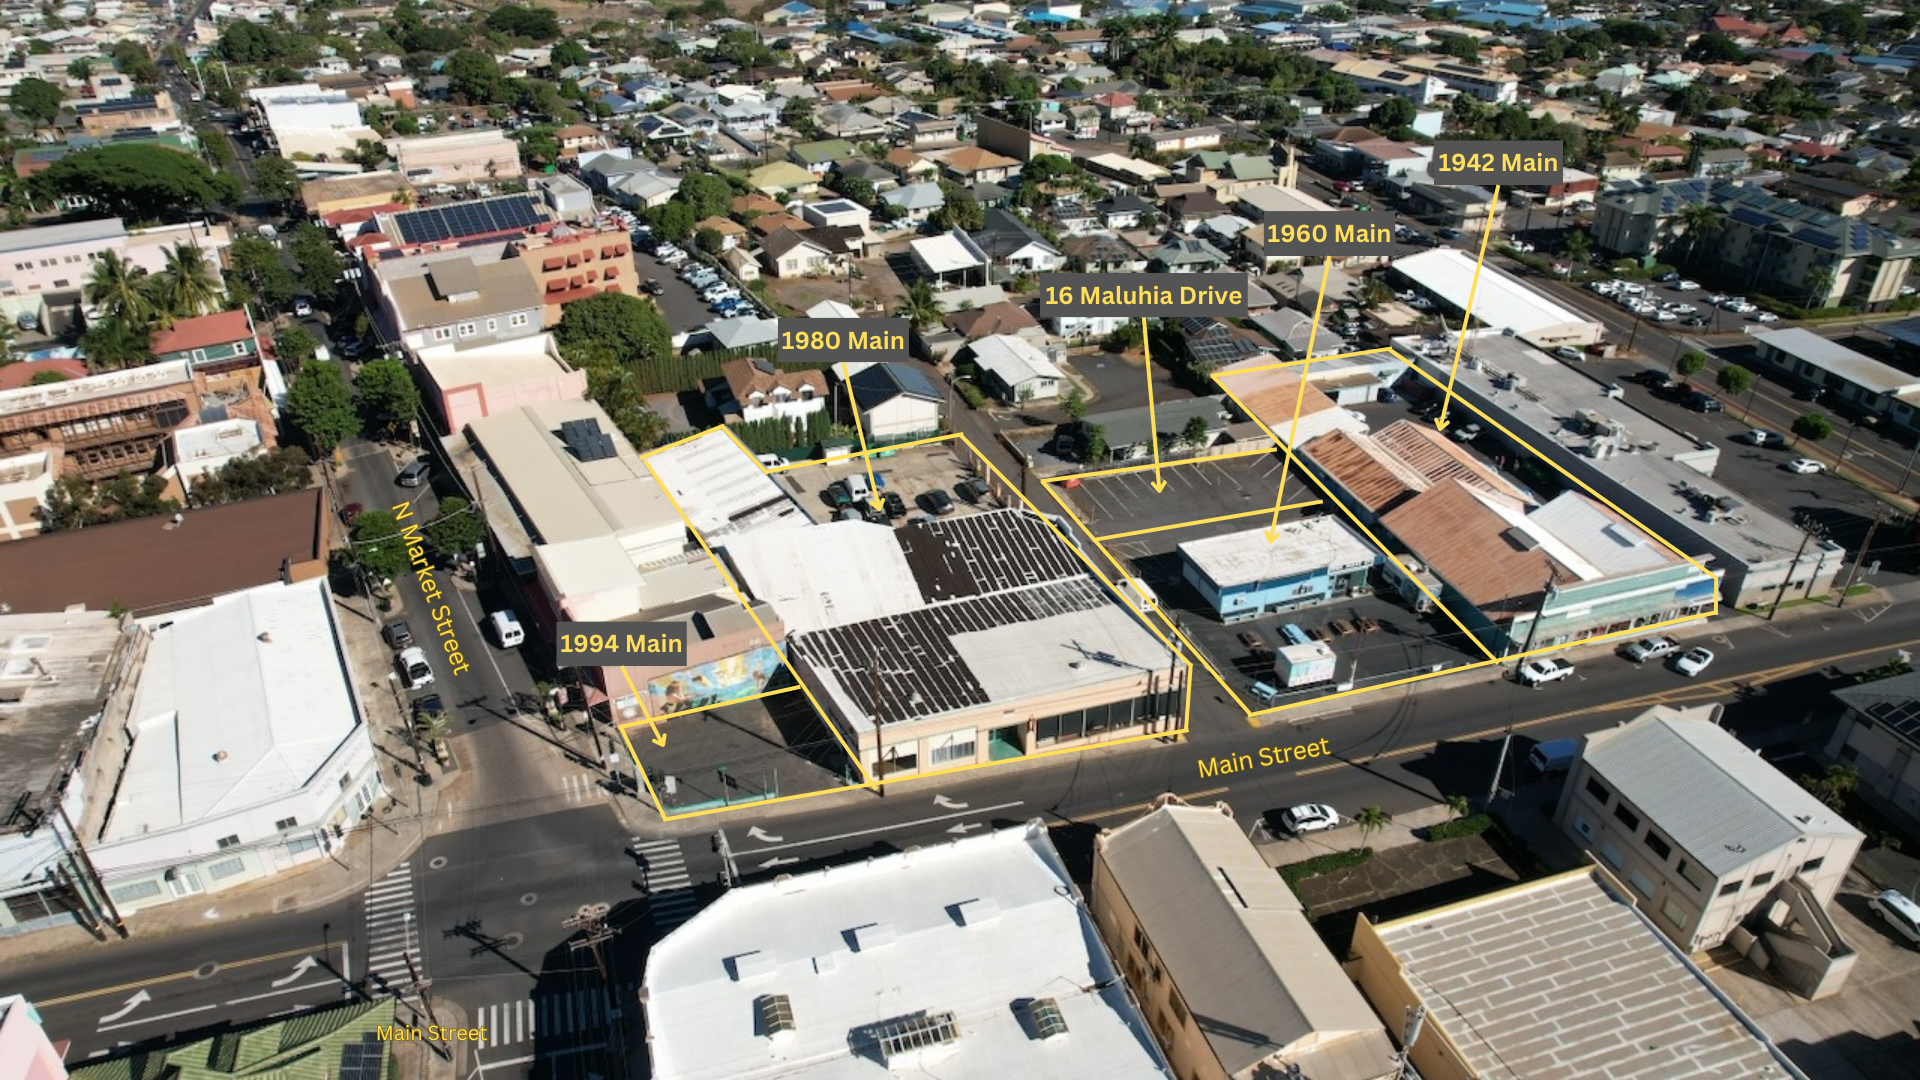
(139, 181)
(921, 307)
(568, 53)
(627, 327)
(187, 286)
(378, 547)
(1579, 245)
(320, 408)
(1393, 113)
(112, 344)
(961, 210)
(295, 345)
(1458, 805)
(74, 503)
(321, 264)
(1094, 450)
(80, 69)
(1699, 223)
(1833, 785)
(1819, 282)
(672, 219)
(1195, 433)
(36, 101)
(274, 178)
(1813, 427)
(1373, 293)
(1075, 404)
(117, 289)
(284, 469)
(538, 23)
(1371, 819)
(430, 727)
(475, 76)
(709, 239)
(258, 274)
(1735, 380)
(706, 195)
(47, 378)
(388, 396)
(1690, 363)
(458, 527)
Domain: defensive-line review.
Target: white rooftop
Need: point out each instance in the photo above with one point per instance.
(1501, 301)
(1600, 540)
(564, 498)
(945, 254)
(972, 929)
(1838, 360)
(1268, 197)
(239, 703)
(1562, 979)
(721, 489)
(1303, 546)
(850, 571)
(1013, 360)
(832, 309)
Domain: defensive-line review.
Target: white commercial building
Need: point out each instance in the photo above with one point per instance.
(304, 119)
(971, 960)
(1853, 377)
(238, 748)
(1500, 301)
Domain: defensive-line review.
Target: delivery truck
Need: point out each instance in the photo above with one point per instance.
(1304, 665)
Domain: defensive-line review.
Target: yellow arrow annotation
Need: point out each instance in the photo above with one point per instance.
(1153, 425)
(1280, 499)
(853, 405)
(1466, 317)
(659, 737)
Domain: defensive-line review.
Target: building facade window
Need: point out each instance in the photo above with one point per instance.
(226, 868)
(1765, 877)
(1691, 875)
(1674, 913)
(1642, 882)
(1658, 845)
(953, 750)
(1729, 888)
(1597, 791)
(1627, 817)
(1811, 865)
(285, 823)
(228, 841)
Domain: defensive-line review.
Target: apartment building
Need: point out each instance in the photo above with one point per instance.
(462, 300)
(1487, 84)
(573, 262)
(107, 118)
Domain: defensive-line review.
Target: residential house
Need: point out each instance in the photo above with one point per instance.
(1103, 253)
(837, 214)
(1011, 244)
(784, 179)
(1187, 255)
(1004, 317)
(107, 118)
(1704, 831)
(226, 335)
(951, 258)
(915, 203)
(751, 388)
(924, 129)
(457, 300)
(1124, 211)
(898, 402)
(818, 157)
(1016, 370)
(972, 163)
(788, 253)
(1233, 980)
(1878, 737)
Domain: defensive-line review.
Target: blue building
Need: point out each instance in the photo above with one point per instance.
(1311, 561)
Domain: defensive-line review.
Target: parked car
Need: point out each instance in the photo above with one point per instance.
(1702, 402)
(350, 513)
(893, 504)
(1466, 432)
(1521, 246)
(414, 669)
(1255, 644)
(936, 502)
(1553, 756)
(506, 628)
(1685, 285)
(973, 489)
(1449, 234)
(1537, 672)
(1804, 466)
(1652, 648)
(302, 307)
(1763, 437)
(1309, 817)
(653, 287)
(1692, 662)
(1569, 354)
(1766, 317)
(771, 461)
(1901, 915)
(415, 474)
(1669, 276)
(398, 634)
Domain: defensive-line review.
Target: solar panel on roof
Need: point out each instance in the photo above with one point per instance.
(1825, 241)
(363, 1060)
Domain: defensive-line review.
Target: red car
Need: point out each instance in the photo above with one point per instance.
(350, 512)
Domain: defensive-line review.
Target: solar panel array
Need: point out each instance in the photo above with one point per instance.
(364, 1060)
(456, 221)
(1902, 716)
(586, 440)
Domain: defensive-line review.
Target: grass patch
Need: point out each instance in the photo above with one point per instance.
(1294, 873)
(1471, 825)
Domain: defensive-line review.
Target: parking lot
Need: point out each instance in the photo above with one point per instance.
(1374, 638)
(913, 474)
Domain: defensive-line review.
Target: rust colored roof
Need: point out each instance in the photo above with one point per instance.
(970, 159)
(1270, 395)
(203, 332)
(150, 566)
(756, 203)
(1426, 451)
(768, 224)
(1376, 479)
(1471, 547)
(747, 376)
(1005, 317)
(15, 376)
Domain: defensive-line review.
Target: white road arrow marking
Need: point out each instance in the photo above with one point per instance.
(306, 964)
(139, 998)
(964, 827)
(762, 835)
(945, 803)
(776, 861)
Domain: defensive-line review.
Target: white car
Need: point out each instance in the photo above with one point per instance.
(1521, 246)
(1309, 817)
(1762, 437)
(1766, 316)
(1804, 466)
(1692, 662)
(1714, 298)
(1684, 285)
(1664, 316)
(1537, 673)
(1901, 915)
(1682, 309)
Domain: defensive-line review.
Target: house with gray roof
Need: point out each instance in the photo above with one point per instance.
(1703, 831)
(1234, 981)
(1879, 738)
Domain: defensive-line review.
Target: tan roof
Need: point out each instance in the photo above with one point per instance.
(970, 159)
(723, 226)
(750, 375)
(463, 290)
(1270, 395)
(755, 203)
(1464, 541)
(768, 224)
(904, 159)
(317, 193)
(1005, 317)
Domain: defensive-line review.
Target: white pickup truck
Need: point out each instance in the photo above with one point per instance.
(1652, 648)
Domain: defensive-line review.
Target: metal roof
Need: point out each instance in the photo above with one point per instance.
(1705, 790)
(1892, 703)
(1305, 546)
(1237, 946)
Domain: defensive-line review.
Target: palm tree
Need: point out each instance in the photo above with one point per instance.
(111, 344)
(187, 286)
(114, 289)
(1833, 786)
(430, 727)
(1458, 805)
(1373, 293)
(1371, 820)
(920, 306)
(1819, 281)
(1698, 222)
(1579, 246)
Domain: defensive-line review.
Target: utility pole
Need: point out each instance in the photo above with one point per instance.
(1806, 534)
(591, 921)
(89, 876)
(1416, 1019)
(1858, 557)
(1499, 765)
(729, 872)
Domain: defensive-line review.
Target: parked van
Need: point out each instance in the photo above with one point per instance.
(1555, 756)
(506, 629)
(857, 489)
(1900, 914)
(414, 668)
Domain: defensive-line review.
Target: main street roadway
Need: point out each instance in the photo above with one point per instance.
(489, 898)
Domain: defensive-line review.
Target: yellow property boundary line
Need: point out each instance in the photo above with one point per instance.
(870, 781)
